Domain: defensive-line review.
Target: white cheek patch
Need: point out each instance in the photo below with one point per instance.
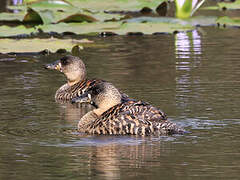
(60, 67)
(89, 96)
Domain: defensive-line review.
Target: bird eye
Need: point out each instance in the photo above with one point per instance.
(64, 61)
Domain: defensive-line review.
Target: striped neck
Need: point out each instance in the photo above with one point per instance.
(67, 92)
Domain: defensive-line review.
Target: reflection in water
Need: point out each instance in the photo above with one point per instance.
(105, 161)
(72, 113)
(17, 2)
(188, 45)
(35, 139)
(188, 57)
(114, 160)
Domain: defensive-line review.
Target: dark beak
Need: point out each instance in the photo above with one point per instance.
(85, 98)
(56, 65)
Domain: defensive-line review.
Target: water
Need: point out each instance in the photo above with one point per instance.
(193, 77)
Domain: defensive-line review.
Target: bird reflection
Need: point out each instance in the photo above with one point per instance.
(74, 112)
(108, 155)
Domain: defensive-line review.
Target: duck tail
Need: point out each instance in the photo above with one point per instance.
(170, 128)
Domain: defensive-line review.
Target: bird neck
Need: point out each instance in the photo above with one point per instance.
(75, 81)
(87, 120)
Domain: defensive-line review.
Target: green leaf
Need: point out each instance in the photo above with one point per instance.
(193, 21)
(37, 45)
(43, 5)
(118, 27)
(211, 8)
(50, 4)
(202, 20)
(76, 50)
(12, 17)
(41, 17)
(162, 9)
(183, 11)
(6, 31)
(78, 18)
(230, 5)
(116, 5)
(80, 28)
(151, 27)
(227, 21)
(48, 16)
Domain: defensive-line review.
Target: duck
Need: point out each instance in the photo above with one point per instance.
(77, 83)
(117, 116)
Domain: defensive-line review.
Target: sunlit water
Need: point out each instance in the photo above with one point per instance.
(193, 77)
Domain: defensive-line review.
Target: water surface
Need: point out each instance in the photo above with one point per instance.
(193, 77)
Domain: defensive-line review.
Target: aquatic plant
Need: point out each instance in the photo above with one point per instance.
(186, 8)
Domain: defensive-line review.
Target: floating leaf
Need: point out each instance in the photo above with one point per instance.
(11, 17)
(41, 17)
(143, 25)
(116, 5)
(211, 8)
(32, 16)
(202, 20)
(229, 5)
(6, 31)
(47, 11)
(35, 45)
(151, 28)
(49, 4)
(226, 21)
(78, 18)
(76, 50)
(48, 16)
(80, 28)
(162, 9)
(118, 27)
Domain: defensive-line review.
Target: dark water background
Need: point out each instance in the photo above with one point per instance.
(193, 77)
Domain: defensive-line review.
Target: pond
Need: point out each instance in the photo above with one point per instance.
(193, 77)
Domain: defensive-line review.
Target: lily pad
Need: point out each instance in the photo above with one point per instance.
(55, 11)
(46, 16)
(11, 17)
(194, 21)
(37, 45)
(44, 4)
(230, 5)
(202, 20)
(80, 28)
(116, 27)
(54, 3)
(78, 18)
(151, 28)
(41, 17)
(226, 21)
(6, 31)
(224, 5)
(116, 5)
(92, 5)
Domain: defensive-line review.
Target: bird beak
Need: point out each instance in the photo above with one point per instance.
(56, 65)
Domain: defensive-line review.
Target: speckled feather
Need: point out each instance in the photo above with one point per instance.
(132, 117)
(66, 92)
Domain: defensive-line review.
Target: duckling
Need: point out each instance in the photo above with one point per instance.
(77, 83)
(117, 116)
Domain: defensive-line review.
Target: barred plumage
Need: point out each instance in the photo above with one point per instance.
(66, 92)
(125, 116)
(77, 84)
